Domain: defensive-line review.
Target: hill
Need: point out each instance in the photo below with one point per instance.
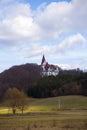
(22, 77)
(28, 77)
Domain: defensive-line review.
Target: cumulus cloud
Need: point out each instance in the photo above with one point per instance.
(20, 27)
(18, 20)
(18, 24)
(53, 28)
(78, 15)
(61, 17)
(54, 19)
(71, 41)
(66, 46)
(77, 41)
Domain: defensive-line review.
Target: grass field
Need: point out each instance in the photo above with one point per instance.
(44, 114)
(52, 104)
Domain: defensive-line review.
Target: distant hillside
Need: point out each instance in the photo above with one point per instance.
(22, 77)
(69, 83)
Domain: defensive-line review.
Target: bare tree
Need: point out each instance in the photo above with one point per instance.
(16, 99)
(22, 102)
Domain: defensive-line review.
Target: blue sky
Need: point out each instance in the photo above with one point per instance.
(57, 29)
(35, 4)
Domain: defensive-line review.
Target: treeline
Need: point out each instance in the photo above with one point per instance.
(63, 84)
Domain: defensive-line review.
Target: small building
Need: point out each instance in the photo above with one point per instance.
(47, 69)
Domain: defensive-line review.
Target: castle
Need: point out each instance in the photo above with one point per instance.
(47, 69)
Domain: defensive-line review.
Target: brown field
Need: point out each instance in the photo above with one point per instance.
(67, 120)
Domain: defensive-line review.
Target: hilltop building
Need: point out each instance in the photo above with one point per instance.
(47, 69)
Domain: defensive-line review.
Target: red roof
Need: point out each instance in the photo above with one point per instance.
(43, 60)
(47, 66)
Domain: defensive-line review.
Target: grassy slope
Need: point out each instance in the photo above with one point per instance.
(52, 104)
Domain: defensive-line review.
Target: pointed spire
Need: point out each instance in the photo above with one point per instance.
(43, 60)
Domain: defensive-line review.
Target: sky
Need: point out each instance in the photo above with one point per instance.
(55, 28)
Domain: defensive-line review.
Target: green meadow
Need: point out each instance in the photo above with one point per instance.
(58, 113)
(53, 104)
(59, 103)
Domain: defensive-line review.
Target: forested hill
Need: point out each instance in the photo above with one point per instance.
(28, 78)
(22, 77)
(67, 83)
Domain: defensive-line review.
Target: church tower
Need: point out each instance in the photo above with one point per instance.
(47, 69)
(43, 64)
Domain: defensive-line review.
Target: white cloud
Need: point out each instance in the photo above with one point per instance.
(57, 29)
(78, 16)
(71, 41)
(66, 48)
(18, 24)
(53, 20)
(61, 17)
(64, 66)
(18, 20)
(77, 41)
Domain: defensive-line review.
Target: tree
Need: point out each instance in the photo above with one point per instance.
(16, 99)
(22, 101)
